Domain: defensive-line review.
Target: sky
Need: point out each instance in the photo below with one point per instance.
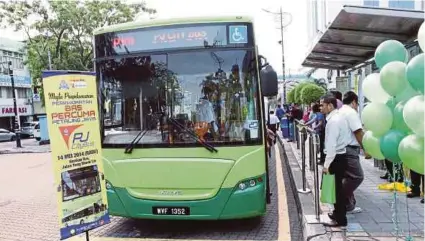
(266, 27)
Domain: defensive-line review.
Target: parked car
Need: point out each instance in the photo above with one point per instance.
(6, 135)
(28, 128)
(37, 134)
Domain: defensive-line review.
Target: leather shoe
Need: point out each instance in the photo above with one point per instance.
(385, 176)
(422, 201)
(334, 224)
(412, 195)
(331, 216)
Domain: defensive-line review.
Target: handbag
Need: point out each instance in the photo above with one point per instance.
(327, 194)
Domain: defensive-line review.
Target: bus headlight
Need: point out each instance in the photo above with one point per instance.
(252, 182)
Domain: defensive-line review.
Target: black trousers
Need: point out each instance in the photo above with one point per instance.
(398, 175)
(338, 167)
(416, 182)
(322, 146)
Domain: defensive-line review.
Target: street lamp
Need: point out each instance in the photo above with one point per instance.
(285, 19)
(15, 108)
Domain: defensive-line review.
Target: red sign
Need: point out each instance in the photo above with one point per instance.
(66, 132)
(123, 41)
(11, 110)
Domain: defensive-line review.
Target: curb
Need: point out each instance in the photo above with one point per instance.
(4, 152)
(305, 202)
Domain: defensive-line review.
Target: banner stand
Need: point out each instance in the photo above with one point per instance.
(87, 236)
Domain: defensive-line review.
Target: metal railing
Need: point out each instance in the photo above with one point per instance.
(301, 134)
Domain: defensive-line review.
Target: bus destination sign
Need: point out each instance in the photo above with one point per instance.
(185, 37)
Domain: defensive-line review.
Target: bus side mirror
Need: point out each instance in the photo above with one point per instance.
(268, 78)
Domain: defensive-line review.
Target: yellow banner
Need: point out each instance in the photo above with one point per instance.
(73, 123)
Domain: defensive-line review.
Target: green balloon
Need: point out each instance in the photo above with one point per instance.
(406, 94)
(413, 114)
(377, 118)
(372, 146)
(415, 72)
(398, 119)
(389, 144)
(411, 152)
(388, 51)
(393, 78)
(391, 103)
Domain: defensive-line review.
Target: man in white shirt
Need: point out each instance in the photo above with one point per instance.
(354, 175)
(273, 122)
(337, 137)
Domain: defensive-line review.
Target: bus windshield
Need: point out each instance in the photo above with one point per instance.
(80, 182)
(212, 93)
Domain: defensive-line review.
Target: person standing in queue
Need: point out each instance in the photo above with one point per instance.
(337, 138)
(354, 175)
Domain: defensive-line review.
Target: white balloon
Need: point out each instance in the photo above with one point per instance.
(413, 114)
(421, 37)
(373, 90)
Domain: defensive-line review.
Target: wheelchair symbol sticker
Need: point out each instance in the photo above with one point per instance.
(238, 34)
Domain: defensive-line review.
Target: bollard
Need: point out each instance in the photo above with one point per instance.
(304, 190)
(315, 138)
(297, 137)
(311, 151)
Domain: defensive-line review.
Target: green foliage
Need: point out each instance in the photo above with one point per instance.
(297, 94)
(290, 96)
(65, 28)
(311, 93)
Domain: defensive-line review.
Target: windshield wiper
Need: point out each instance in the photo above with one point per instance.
(208, 146)
(130, 147)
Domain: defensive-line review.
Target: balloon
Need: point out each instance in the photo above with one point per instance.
(421, 37)
(398, 119)
(373, 90)
(407, 94)
(413, 114)
(388, 51)
(389, 144)
(393, 77)
(415, 72)
(391, 103)
(378, 118)
(371, 145)
(411, 152)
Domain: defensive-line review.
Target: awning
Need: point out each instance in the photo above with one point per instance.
(355, 33)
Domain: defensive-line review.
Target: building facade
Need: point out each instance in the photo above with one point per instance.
(320, 15)
(13, 51)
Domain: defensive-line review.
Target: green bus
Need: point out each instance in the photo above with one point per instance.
(183, 118)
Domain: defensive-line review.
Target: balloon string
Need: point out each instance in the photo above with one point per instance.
(394, 202)
(407, 183)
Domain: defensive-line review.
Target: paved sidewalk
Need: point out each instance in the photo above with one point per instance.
(28, 146)
(375, 222)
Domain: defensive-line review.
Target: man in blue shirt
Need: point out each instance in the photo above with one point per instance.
(280, 112)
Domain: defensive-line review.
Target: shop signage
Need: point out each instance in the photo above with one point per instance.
(8, 110)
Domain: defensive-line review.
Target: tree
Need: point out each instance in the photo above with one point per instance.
(297, 94)
(65, 28)
(311, 93)
(290, 98)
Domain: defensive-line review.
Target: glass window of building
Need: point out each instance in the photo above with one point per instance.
(403, 4)
(371, 3)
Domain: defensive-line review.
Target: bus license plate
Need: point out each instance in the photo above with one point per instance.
(170, 210)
